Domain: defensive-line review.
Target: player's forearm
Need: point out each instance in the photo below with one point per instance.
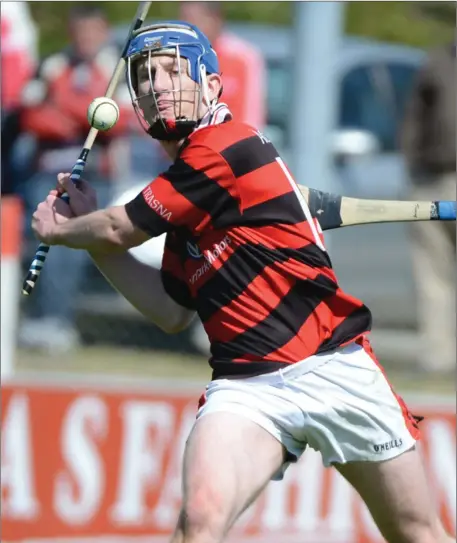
(102, 231)
(142, 286)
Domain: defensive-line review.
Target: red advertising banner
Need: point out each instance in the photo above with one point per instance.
(92, 464)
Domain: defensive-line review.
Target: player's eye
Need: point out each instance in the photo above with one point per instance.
(143, 76)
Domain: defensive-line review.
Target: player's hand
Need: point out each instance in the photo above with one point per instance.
(48, 216)
(83, 198)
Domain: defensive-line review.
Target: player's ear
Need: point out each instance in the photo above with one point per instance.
(214, 86)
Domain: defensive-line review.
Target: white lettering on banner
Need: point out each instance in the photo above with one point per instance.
(138, 442)
(442, 461)
(310, 492)
(17, 481)
(341, 507)
(211, 255)
(85, 423)
(155, 204)
(305, 479)
(148, 430)
(164, 513)
(248, 517)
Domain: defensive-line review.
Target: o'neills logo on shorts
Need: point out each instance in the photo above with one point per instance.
(394, 444)
(210, 256)
(155, 204)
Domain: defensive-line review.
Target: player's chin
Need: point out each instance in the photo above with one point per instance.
(153, 118)
(168, 115)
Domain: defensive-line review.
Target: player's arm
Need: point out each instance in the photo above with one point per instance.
(162, 296)
(191, 194)
(103, 231)
(106, 234)
(145, 288)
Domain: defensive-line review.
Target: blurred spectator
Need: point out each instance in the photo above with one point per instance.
(18, 61)
(55, 108)
(242, 65)
(429, 144)
(18, 53)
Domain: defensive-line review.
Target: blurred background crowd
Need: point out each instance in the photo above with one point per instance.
(393, 137)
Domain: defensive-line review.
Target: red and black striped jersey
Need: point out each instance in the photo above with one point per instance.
(243, 250)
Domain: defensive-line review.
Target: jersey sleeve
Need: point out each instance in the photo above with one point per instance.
(197, 191)
(173, 275)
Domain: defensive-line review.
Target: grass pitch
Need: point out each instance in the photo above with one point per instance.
(152, 364)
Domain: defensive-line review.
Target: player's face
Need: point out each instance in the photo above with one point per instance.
(165, 88)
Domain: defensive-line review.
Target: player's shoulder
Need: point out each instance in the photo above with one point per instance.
(222, 136)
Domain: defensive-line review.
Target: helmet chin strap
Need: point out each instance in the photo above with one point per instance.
(171, 130)
(205, 91)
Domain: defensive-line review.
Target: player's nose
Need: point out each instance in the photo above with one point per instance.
(161, 81)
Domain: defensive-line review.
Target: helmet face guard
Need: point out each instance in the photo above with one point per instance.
(182, 41)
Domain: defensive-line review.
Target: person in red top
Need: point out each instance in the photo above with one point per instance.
(18, 64)
(242, 65)
(18, 52)
(292, 364)
(54, 112)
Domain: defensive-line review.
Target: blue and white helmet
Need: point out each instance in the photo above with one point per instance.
(185, 41)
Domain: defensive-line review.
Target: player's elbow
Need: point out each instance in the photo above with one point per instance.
(177, 322)
(171, 329)
(122, 234)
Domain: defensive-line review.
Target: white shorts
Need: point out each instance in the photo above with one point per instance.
(338, 403)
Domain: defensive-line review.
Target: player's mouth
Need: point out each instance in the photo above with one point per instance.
(162, 107)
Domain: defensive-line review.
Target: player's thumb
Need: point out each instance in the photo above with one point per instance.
(65, 184)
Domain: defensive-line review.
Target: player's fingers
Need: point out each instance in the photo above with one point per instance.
(62, 179)
(70, 187)
(51, 199)
(81, 185)
(84, 186)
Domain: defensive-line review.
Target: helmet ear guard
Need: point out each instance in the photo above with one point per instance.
(185, 41)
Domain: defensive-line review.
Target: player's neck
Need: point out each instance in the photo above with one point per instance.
(172, 148)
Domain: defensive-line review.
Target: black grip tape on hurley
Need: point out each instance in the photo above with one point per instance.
(326, 208)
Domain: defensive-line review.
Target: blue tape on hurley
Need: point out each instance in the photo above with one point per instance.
(446, 211)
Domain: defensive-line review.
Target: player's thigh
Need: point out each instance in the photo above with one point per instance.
(397, 495)
(227, 462)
